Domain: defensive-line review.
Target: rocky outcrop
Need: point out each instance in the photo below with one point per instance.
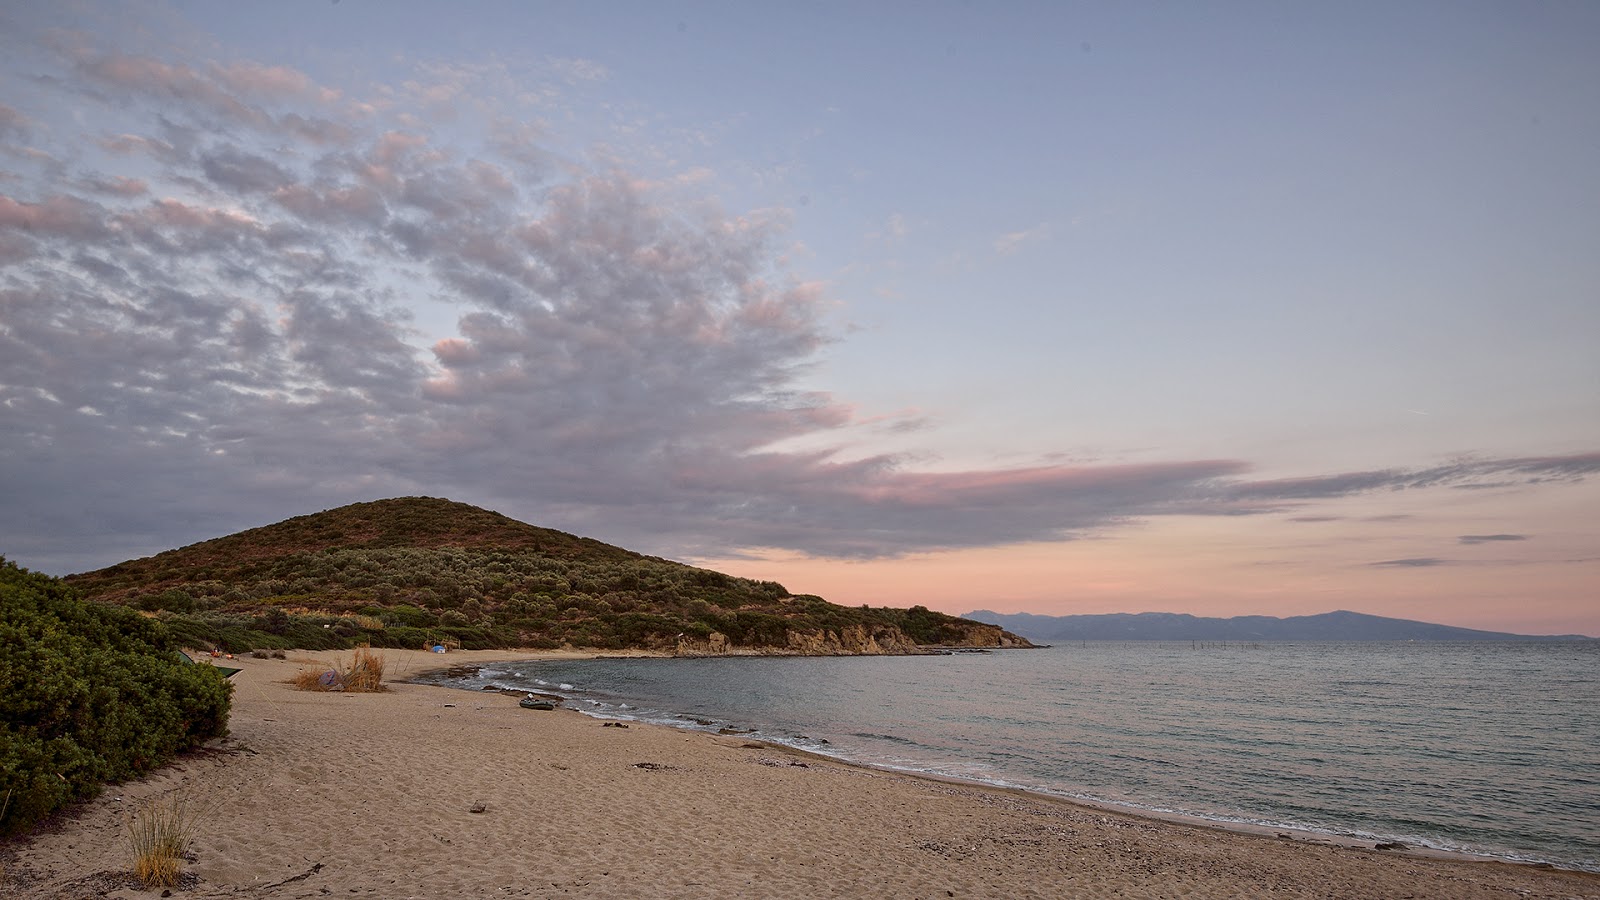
(981, 635)
(851, 640)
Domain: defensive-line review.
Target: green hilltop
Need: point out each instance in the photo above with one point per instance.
(409, 572)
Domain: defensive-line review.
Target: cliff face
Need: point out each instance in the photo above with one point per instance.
(854, 640)
(851, 640)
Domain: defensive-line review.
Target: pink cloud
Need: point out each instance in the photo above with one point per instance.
(454, 352)
(57, 217)
(278, 82)
(168, 81)
(1043, 484)
(355, 204)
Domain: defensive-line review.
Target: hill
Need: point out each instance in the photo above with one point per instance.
(415, 570)
(1333, 626)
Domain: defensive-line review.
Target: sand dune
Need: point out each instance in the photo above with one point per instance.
(433, 793)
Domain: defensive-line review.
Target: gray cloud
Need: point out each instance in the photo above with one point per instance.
(233, 169)
(1462, 473)
(1487, 538)
(213, 330)
(1421, 562)
(116, 186)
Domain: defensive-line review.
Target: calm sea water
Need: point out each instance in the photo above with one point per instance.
(1490, 748)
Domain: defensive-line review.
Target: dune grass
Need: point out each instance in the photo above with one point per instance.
(364, 674)
(157, 836)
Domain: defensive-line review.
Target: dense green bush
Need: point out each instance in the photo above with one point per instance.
(89, 694)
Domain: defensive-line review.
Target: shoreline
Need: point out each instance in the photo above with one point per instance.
(430, 791)
(1395, 845)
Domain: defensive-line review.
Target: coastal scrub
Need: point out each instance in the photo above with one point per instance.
(89, 694)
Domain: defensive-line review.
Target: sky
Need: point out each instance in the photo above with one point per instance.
(1225, 309)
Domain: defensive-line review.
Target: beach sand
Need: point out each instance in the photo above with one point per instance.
(431, 792)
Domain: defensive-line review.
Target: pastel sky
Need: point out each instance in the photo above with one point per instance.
(1231, 308)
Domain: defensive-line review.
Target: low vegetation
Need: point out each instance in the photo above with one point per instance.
(413, 571)
(157, 836)
(89, 694)
(364, 674)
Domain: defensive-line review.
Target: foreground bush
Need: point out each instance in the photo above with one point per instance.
(89, 694)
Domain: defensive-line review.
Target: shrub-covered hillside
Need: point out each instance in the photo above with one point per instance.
(88, 694)
(406, 571)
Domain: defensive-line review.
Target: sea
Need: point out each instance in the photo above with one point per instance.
(1490, 749)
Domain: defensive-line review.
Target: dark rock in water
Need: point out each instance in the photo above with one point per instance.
(735, 730)
(1391, 845)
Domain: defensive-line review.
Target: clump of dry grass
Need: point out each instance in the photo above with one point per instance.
(365, 672)
(157, 835)
(363, 675)
(311, 679)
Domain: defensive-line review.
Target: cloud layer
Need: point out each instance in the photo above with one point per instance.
(221, 303)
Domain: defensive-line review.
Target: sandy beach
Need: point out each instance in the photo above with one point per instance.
(430, 792)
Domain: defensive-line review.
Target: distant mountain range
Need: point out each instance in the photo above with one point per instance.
(1333, 626)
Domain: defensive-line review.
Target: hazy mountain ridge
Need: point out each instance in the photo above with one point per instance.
(1341, 625)
(408, 571)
